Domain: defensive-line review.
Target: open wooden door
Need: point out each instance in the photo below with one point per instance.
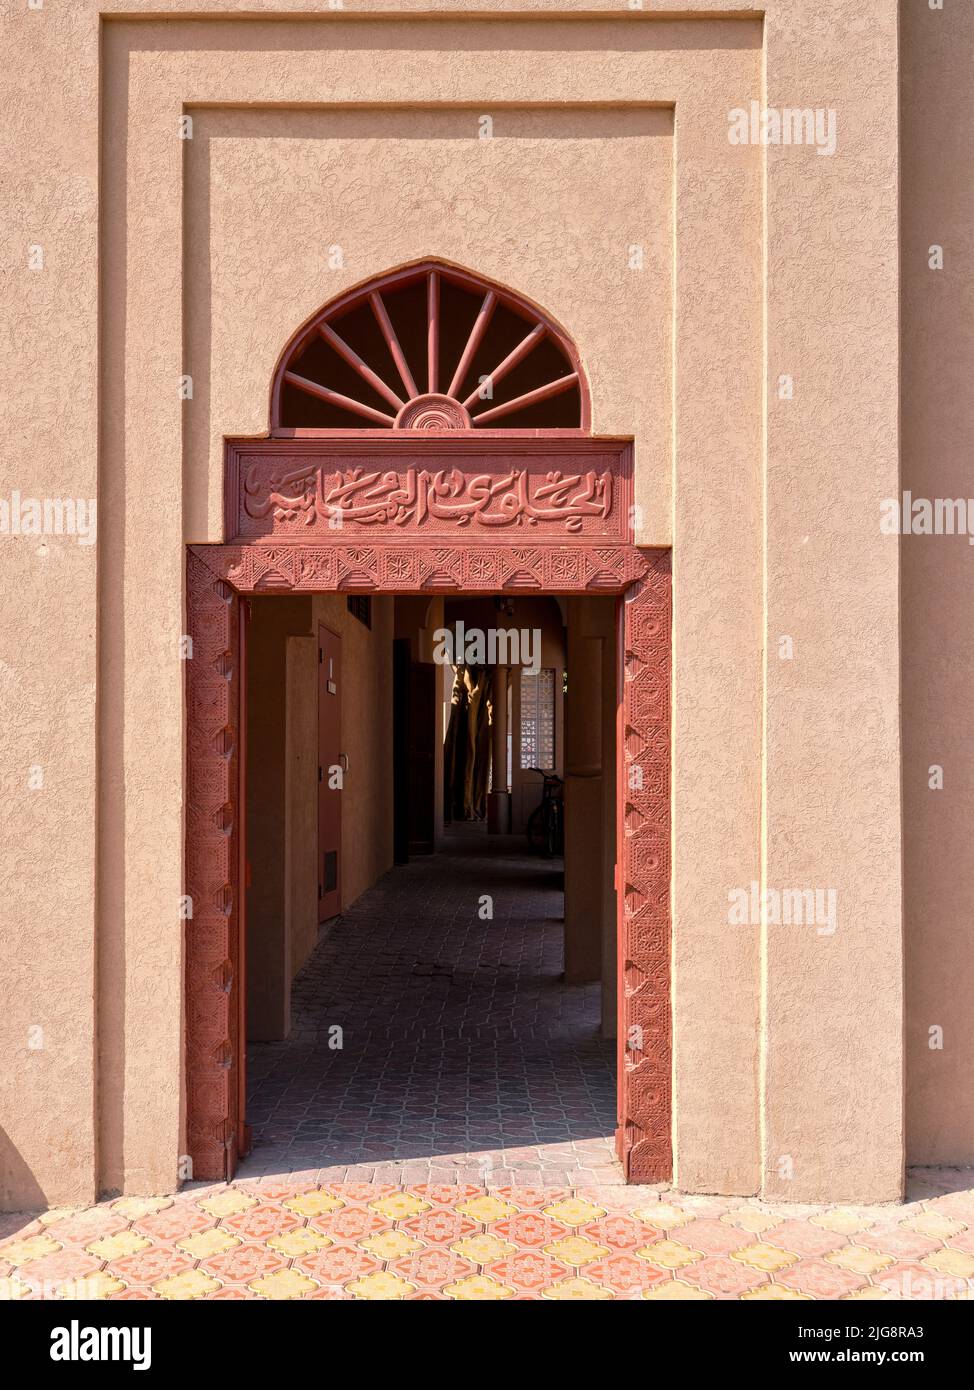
(422, 757)
(332, 767)
(401, 677)
(414, 735)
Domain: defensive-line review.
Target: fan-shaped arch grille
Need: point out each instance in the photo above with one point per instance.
(430, 348)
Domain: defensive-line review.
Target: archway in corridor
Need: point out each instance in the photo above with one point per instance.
(461, 510)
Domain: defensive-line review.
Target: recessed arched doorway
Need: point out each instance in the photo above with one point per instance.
(429, 435)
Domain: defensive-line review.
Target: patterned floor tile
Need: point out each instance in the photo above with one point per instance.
(952, 1262)
(619, 1232)
(531, 1270)
(464, 1243)
(173, 1222)
(529, 1228)
(774, 1292)
(669, 1254)
(151, 1265)
(383, 1284)
(283, 1284)
(81, 1228)
(899, 1242)
(433, 1267)
(676, 1289)
(750, 1219)
(479, 1288)
(723, 1277)
(338, 1264)
(115, 1247)
(577, 1289)
(763, 1255)
(21, 1252)
(820, 1278)
(842, 1220)
(575, 1250)
(52, 1270)
(245, 1262)
(192, 1283)
(483, 1248)
(440, 1226)
(711, 1237)
(352, 1222)
(938, 1225)
(803, 1238)
(261, 1222)
(622, 1272)
(860, 1259)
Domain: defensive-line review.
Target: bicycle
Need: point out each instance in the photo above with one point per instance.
(545, 828)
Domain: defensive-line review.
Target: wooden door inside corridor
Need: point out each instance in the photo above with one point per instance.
(332, 767)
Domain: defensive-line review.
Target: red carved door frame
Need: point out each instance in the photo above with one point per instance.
(444, 515)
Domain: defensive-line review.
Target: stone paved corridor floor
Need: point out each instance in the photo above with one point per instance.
(464, 1057)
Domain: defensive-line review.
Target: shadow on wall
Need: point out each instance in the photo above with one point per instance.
(19, 1189)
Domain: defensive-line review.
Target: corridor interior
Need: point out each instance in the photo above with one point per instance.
(433, 1000)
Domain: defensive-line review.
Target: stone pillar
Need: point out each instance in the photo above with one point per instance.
(499, 799)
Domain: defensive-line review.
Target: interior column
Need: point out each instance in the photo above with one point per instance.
(499, 799)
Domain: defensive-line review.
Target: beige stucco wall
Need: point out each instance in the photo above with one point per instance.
(938, 582)
(166, 257)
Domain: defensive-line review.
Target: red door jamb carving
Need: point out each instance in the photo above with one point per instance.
(213, 823)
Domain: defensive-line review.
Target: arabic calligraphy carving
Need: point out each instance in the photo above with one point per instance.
(413, 496)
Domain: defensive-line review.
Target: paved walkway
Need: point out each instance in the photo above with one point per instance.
(463, 1058)
(458, 1146)
(290, 1238)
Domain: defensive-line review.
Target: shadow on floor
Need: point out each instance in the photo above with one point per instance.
(460, 1046)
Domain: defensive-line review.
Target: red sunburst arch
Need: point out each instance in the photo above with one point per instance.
(430, 347)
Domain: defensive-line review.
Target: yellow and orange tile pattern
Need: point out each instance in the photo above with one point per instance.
(291, 1239)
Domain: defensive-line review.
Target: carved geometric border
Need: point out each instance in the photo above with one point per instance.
(644, 1139)
(216, 577)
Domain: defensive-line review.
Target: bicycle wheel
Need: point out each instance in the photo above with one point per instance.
(556, 831)
(536, 830)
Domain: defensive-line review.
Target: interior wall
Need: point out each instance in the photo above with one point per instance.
(282, 763)
(590, 810)
(301, 802)
(367, 738)
(272, 622)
